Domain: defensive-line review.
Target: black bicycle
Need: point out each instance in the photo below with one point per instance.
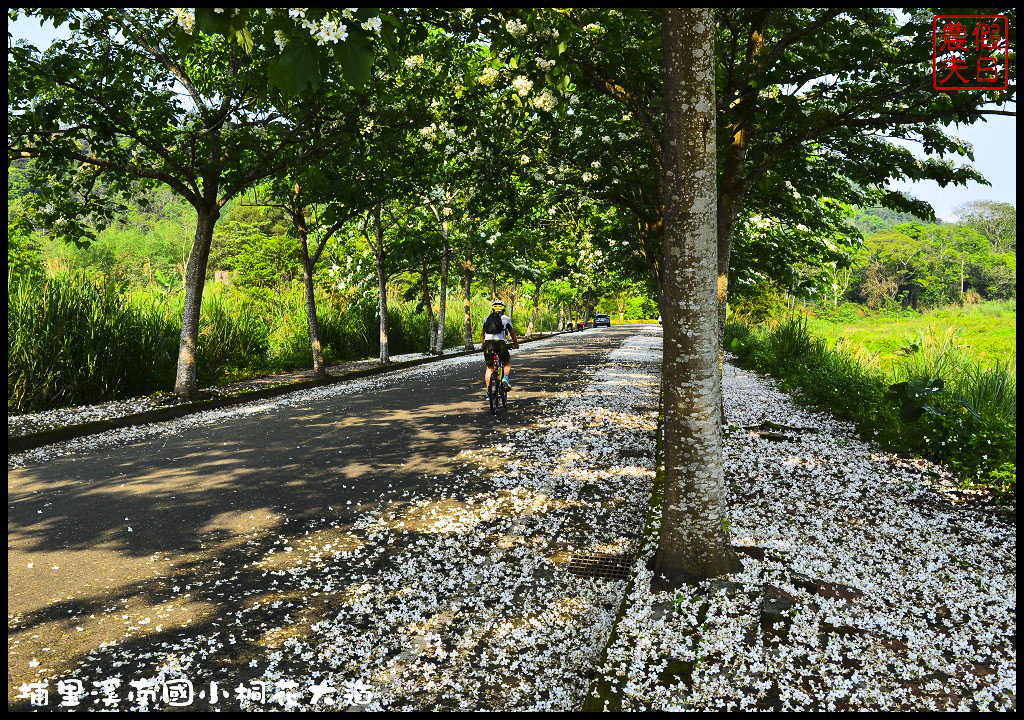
(496, 393)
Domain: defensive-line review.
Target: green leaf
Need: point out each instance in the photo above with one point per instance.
(294, 68)
(967, 405)
(183, 40)
(910, 411)
(357, 56)
(244, 39)
(561, 47)
(211, 23)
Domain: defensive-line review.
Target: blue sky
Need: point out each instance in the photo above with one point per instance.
(994, 141)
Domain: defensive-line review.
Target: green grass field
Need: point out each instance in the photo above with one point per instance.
(987, 331)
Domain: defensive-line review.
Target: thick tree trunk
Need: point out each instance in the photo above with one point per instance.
(185, 383)
(382, 285)
(561, 316)
(438, 348)
(467, 286)
(431, 327)
(694, 542)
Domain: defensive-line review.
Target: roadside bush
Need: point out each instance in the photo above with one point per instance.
(75, 340)
(787, 343)
(758, 304)
(740, 339)
(232, 338)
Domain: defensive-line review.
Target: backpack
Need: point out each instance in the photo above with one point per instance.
(493, 324)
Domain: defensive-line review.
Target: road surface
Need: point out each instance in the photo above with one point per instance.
(136, 544)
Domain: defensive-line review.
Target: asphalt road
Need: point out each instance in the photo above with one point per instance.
(95, 539)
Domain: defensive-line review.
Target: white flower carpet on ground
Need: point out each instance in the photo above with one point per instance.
(863, 587)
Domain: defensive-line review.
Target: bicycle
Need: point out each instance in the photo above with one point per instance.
(495, 391)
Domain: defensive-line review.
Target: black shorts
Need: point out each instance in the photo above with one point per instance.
(501, 347)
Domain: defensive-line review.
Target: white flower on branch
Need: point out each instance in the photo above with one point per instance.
(516, 28)
(489, 76)
(522, 85)
(545, 101)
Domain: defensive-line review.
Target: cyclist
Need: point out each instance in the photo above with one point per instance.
(496, 325)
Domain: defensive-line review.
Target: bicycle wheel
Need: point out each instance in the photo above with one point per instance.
(493, 388)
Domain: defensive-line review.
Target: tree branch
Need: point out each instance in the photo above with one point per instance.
(179, 72)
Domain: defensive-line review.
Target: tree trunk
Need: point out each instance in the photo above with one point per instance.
(382, 286)
(733, 190)
(319, 369)
(494, 288)
(467, 297)
(308, 263)
(536, 307)
(652, 238)
(561, 316)
(694, 542)
(185, 383)
(438, 348)
(299, 220)
(431, 327)
(513, 293)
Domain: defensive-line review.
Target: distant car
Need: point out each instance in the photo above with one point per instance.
(602, 321)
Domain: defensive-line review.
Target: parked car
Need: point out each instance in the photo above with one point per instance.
(602, 321)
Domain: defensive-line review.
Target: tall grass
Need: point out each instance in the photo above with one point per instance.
(970, 423)
(990, 390)
(74, 341)
(71, 341)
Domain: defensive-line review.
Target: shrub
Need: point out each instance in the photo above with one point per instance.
(758, 304)
(73, 340)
